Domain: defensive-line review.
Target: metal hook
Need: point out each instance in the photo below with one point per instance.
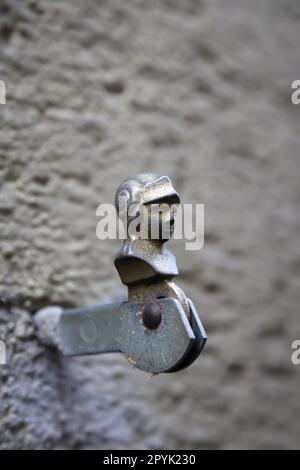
(157, 329)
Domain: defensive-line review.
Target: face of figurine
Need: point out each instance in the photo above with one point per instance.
(161, 220)
(151, 221)
(150, 207)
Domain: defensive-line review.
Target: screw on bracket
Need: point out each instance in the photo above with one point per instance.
(157, 329)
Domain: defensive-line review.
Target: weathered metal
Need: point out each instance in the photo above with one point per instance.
(158, 329)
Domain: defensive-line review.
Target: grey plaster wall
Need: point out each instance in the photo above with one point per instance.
(198, 90)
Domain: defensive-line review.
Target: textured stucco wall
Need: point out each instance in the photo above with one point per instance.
(195, 89)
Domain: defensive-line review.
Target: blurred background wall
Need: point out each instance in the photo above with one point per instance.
(195, 89)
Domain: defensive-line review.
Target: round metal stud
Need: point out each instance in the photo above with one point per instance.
(152, 315)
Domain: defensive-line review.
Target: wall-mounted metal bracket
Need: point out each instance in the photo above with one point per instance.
(158, 329)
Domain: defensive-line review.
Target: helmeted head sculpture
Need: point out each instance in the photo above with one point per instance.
(151, 201)
(147, 203)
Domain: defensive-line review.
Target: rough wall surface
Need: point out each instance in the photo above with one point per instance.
(198, 90)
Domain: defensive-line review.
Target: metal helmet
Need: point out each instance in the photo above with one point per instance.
(143, 190)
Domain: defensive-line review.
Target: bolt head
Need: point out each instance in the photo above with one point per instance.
(152, 315)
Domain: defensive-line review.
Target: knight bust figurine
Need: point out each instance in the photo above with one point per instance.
(145, 257)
